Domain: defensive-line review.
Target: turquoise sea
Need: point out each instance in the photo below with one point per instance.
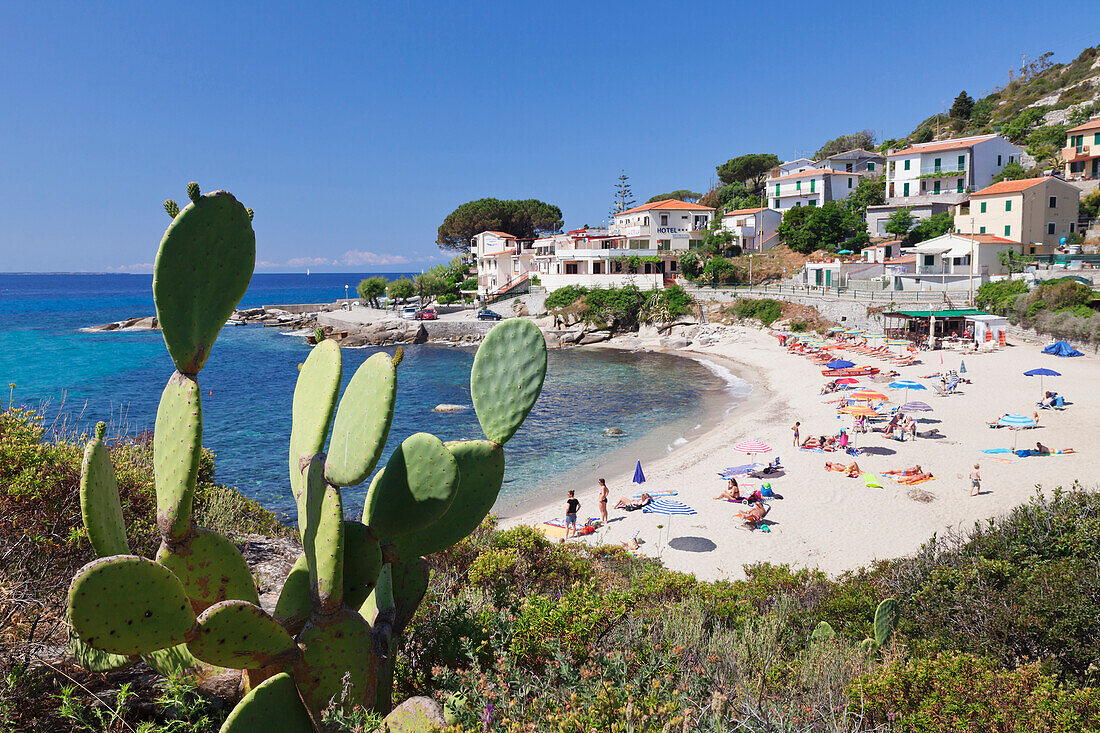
(78, 378)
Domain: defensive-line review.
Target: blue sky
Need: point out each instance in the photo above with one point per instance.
(353, 129)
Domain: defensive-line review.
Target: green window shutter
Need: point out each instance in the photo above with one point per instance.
(907, 165)
(777, 189)
(1008, 204)
(849, 183)
(981, 230)
(1096, 139)
(936, 164)
(962, 161)
(936, 187)
(813, 203)
(798, 185)
(1008, 230)
(812, 182)
(906, 191)
(871, 166)
(983, 207)
(959, 189)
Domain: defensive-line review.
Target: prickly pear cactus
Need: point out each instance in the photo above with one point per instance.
(886, 618)
(338, 621)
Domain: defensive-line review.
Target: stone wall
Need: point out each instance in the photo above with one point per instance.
(847, 312)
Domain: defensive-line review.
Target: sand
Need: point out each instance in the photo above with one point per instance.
(825, 519)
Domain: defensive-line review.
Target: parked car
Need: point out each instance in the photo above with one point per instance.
(427, 314)
(409, 312)
(487, 315)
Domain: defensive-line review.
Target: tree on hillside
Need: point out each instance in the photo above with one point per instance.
(900, 222)
(371, 289)
(400, 289)
(624, 197)
(864, 139)
(1045, 144)
(808, 228)
(962, 106)
(749, 170)
(1012, 261)
(681, 194)
(933, 226)
(1019, 127)
(1011, 172)
(869, 192)
(524, 219)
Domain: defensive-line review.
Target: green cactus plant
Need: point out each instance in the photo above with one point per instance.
(822, 632)
(338, 621)
(886, 620)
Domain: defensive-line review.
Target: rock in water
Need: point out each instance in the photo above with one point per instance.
(448, 408)
(613, 431)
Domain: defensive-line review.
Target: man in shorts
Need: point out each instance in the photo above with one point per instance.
(572, 506)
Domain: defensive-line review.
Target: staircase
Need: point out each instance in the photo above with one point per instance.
(517, 286)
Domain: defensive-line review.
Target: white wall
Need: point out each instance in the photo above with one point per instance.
(986, 162)
(645, 282)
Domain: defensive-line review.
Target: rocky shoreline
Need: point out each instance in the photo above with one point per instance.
(271, 317)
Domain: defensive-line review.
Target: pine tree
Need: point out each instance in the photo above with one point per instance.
(624, 197)
(962, 107)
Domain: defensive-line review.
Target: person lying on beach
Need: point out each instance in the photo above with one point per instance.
(631, 544)
(909, 475)
(829, 387)
(997, 423)
(732, 492)
(632, 505)
(1044, 451)
(753, 517)
(911, 471)
(852, 469)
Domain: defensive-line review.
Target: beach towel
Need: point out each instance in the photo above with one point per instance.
(556, 528)
(667, 506)
(911, 480)
(666, 492)
(872, 481)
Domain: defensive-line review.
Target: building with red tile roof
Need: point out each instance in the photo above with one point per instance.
(1082, 152)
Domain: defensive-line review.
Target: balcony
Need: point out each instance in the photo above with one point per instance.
(1080, 152)
(932, 171)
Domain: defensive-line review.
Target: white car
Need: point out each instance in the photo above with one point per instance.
(409, 312)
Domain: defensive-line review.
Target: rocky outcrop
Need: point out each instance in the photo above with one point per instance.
(449, 408)
(149, 323)
(519, 308)
(387, 332)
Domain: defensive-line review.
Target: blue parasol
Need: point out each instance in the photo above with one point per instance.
(840, 364)
(639, 477)
(907, 384)
(962, 367)
(1017, 423)
(1040, 373)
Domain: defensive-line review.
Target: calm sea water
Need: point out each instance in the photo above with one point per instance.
(78, 378)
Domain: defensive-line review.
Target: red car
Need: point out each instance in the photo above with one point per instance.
(427, 314)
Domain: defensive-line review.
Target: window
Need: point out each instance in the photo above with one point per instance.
(981, 230)
(936, 187)
(848, 168)
(1072, 226)
(998, 161)
(905, 191)
(777, 193)
(813, 203)
(962, 162)
(1008, 204)
(936, 165)
(1008, 230)
(1096, 139)
(929, 260)
(959, 187)
(1054, 202)
(907, 165)
(983, 207)
(871, 166)
(798, 185)
(1012, 159)
(1050, 227)
(775, 202)
(849, 183)
(645, 221)
(812, 182)
(664, 220)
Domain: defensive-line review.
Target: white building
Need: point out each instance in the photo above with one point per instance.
(791, 166)
(503, 262)
(950, 261)
(810, 187)
(755, 228)
(864, 162)
(946, 171)
(662, 225)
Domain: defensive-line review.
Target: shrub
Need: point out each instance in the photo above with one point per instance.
(566, 296)
(998, 296)
(765, 310)
(799, 326)
(961, 692)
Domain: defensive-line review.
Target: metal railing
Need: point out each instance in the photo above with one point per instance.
(833, 292)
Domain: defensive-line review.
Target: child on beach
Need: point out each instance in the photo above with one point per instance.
(795, 429)
(975, 481)
(572, 506)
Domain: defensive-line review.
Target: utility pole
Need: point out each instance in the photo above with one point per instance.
(972, 263)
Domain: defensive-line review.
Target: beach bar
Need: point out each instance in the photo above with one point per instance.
(916, 325)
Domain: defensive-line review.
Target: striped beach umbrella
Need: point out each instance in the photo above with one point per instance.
(667, 506)
(858, 410)
(916, 407)
(907, 384)
(1017, 423)
(752, 446)
(867, 394)
(836, 329)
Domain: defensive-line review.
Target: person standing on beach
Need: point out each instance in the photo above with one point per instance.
(572, 506)
(794, 428)
(975, 481)
(603, 501)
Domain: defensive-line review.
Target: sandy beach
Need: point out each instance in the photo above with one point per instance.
(827, 520)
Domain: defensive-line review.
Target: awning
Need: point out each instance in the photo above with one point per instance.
(957, 313)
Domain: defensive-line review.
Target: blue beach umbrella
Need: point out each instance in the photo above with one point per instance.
(639, 477)
(1040, 373)
(962, 367)
(840, 364)
(907, 384)
(1016, 423)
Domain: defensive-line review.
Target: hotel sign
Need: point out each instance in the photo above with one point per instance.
(674, 232)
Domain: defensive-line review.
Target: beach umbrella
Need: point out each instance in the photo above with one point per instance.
(671, 507)
(835, 329)
(752, 446)
(1017, 423)
(907, 384)
(735, 471)
(962, 367)
(916, 407)
(639, 477)
(840, 364)
(847, 380)
(1040, 373)
(867, 394)
(860, 410)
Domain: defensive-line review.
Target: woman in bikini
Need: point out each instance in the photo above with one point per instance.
(732, 492)
(603, 501)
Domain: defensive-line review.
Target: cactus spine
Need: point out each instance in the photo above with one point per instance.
(346, 602)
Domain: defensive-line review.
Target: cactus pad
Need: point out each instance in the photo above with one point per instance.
(362, 422)
(886, 617)
(409, 579)
(177, 446)
(176, 660)
(822, 632)
(202, 271)
(332, 647)
(480, 475)
(314, 402)
(129, 605)
(507, 377)
(210, 567)
(415, 488)
(323, 538)
(294, 606)
(99, 505)
(273, 706)
(93, 659)
(239, 635)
